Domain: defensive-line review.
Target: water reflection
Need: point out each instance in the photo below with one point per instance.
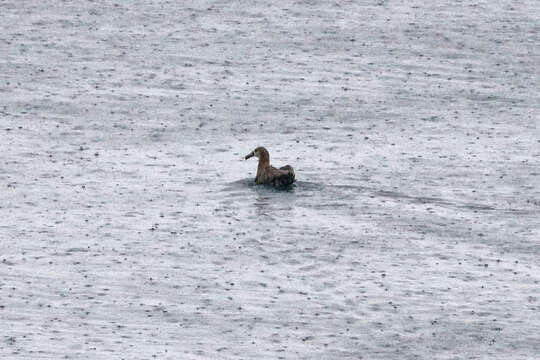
(270, 203)
(274, 203)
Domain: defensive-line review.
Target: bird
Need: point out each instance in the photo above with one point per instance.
(269, 175)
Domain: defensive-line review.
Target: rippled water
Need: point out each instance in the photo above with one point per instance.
(131, 225)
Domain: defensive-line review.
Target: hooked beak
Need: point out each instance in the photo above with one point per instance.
(251, 154)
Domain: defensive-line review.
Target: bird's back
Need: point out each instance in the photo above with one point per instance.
(278, 178)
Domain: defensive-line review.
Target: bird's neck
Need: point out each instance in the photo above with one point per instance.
(264, 163)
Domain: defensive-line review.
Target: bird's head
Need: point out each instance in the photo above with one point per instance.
(260, 152)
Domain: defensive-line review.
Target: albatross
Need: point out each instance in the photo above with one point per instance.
(269, 175)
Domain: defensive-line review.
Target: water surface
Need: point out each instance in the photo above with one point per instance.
(131, 226)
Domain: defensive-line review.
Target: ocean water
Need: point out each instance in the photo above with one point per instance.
(131, 226)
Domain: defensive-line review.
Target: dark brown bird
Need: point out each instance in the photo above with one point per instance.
(269, 175)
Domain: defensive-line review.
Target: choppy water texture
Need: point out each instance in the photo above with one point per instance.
(131, 227)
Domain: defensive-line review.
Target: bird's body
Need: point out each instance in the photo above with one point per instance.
(269, 175)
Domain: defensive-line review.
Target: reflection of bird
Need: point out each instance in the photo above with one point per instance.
(269, 175)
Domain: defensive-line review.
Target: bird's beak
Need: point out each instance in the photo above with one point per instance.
(251, 154)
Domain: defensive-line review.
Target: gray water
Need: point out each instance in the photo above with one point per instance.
(131, 227)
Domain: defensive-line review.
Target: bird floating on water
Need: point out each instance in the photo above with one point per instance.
(269, 175)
